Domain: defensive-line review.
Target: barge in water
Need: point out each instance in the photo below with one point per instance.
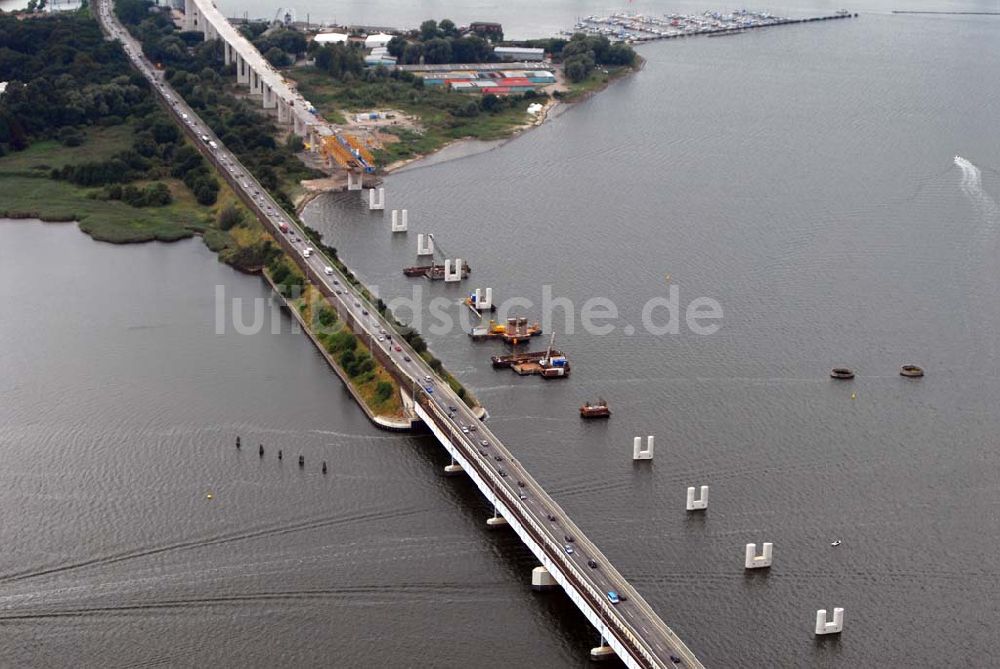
(434, 272)
(598, 409)
(549, 364)
(514, 331)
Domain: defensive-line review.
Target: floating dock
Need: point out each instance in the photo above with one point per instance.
(631, 27)
(515, 331)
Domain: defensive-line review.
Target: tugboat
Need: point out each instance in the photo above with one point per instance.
(598, 409)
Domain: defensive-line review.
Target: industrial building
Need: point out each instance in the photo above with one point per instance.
(519, 53)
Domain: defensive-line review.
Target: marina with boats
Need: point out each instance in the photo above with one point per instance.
(633, 27)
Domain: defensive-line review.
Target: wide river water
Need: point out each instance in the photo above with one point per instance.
(832, 186)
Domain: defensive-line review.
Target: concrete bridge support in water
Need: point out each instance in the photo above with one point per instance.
(399, 221)
(425, 244)
(453, 273)
(697, 504)
(541, 579)
(640, 453)
(753, 561)
(496, 521)
(824, 626)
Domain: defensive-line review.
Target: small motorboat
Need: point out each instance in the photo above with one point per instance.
(835, 543)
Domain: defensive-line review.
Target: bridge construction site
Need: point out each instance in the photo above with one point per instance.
(627, 627)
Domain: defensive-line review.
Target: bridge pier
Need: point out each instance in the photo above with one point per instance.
(227, 53)
(283, 111)
(191, 21)
(483, 299)
(697, 504)
(541, 579)
(602, 652)
(425, 244)
(453, 469)
(397, 225)
(496, 521)
(836, 626)
(352, 184)
(255, 83)
(638, 453)
(376, 204)
(270, 101)
(452, 275)
(753, 561)
(242, 71)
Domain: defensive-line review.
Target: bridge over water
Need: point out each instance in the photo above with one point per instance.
(629, 629)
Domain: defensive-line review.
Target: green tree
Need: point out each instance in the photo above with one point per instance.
(447, 28)
(429, 30)
(276, 57)
(383, 391)
(578, 67)
(412, 54)
(157, 194)
(229, 217)
(396, 46)
(437, 51)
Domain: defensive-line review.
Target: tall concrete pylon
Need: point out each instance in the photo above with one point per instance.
(453, 273)
(824, 626)
(399, 223)
(374, 204)
(425, 244)
(753, 561)
(638, 453)
(697, 504)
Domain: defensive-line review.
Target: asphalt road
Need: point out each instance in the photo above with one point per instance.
(632, 617)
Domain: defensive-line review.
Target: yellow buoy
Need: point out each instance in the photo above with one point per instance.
(854, 396)
(668, 277)
(208, 496)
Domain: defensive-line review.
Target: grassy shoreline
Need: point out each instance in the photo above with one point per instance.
(435, 130)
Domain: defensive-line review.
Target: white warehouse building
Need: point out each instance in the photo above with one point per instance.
(330, 38)
(377, 40)
(519, 53)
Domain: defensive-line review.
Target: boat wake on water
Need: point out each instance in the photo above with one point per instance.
(982, 316)
(972, 186)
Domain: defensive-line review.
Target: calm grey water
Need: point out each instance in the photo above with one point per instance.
(804, 177)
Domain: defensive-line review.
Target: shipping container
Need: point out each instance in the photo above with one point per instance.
(515, 81)
(496, 90)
